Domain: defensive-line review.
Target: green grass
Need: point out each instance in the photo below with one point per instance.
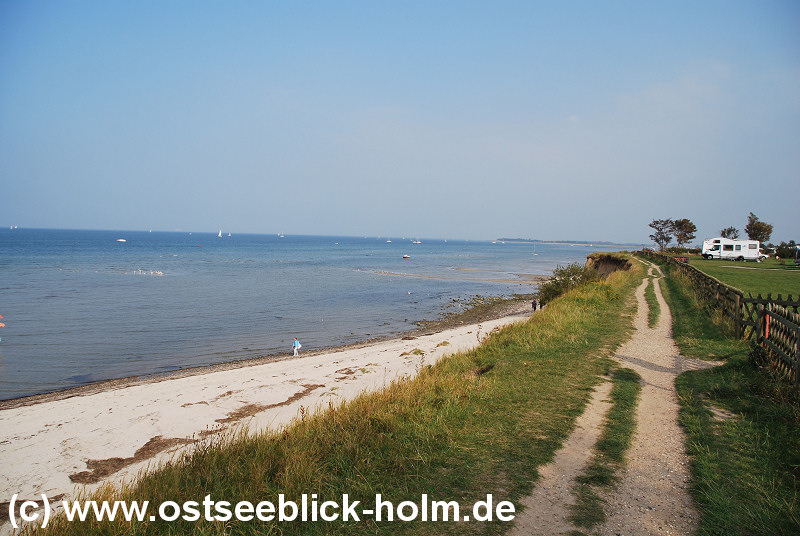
(475, 423)
(746, 458)
(693, 327)
(764, 277)
(610, 451)
(654, 309)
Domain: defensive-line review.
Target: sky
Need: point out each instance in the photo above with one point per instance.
(573, 120)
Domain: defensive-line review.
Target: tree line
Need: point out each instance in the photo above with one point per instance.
(683, 231)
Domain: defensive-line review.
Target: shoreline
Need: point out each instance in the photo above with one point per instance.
(115, 431)
(497, 308)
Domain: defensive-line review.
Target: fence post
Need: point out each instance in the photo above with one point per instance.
(759, 321)
(737, 319)
(797, 365)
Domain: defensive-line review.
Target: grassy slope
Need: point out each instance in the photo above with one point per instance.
(746, 467)
(476, 423)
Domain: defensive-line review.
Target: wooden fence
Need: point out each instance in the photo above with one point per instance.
(772, 323)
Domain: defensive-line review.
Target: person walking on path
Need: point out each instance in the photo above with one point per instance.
(296, 346)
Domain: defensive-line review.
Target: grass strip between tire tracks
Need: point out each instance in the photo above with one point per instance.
(654, 308)
(602, 473)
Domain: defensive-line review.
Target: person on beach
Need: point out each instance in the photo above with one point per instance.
(534, 303)
(296, 346)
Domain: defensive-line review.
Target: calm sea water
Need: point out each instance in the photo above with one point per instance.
(81, 306)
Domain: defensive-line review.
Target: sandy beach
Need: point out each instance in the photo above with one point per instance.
(61, 445)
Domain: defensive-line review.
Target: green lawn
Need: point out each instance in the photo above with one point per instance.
(763, 277)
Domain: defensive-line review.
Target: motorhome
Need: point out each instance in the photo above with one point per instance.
(733, 250)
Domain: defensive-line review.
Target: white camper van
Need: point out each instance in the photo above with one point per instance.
(732, 250)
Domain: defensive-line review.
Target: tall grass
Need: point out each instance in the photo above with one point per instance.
(475, 423)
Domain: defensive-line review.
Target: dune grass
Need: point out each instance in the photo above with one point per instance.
(475, 423)
(743, 428)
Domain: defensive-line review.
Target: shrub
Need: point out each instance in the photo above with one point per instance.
(565, 278)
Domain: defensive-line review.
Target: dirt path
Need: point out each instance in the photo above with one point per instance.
(547, 509)
(652, 497)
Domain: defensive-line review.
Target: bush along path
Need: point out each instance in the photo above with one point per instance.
(609, 479)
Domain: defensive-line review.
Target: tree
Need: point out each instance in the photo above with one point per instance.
(757, 230)
(663, 232)
(684, 231)
(729, 232)
(786, 250)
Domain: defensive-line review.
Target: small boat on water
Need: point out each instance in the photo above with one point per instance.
(220, 233)
(121, 240)
(406, 256)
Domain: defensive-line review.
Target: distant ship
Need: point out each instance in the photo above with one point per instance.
(220, 233)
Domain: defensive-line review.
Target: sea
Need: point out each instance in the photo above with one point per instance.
(84, 306)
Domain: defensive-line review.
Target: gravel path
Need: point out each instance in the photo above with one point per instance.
(653, 495)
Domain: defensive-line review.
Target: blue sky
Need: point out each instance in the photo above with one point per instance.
(552, 120)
